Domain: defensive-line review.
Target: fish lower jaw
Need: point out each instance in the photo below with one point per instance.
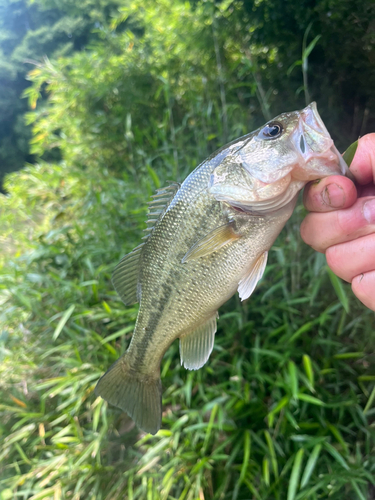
(316, 170)
(271, 204)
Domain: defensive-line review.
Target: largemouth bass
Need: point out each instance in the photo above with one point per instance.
(209, 238)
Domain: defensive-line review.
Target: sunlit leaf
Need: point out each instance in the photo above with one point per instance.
(63, 320)
(294, 477)
(310, 465)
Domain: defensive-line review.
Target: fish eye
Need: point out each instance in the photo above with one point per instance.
(271, 131)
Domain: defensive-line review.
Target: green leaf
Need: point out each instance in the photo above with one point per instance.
(294, 477)
(293, 377)
(280, 405)
(118, 334)
(370, 401)
(310, 47)
(350, 153)
(307, 364)
(335, 431)
(272, 454)
(336, 455)
(6, 494)
(209, 428)
(266, 471)
(154, 176)
(310, 399)
(246, 455)
(349, 355)
(356, 488)
(303, 329)
(63, 321)
(339, 289)
(310, 465)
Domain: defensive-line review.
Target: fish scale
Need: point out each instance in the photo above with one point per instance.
(207, 238)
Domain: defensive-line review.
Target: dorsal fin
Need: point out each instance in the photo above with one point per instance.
(126, 274)
(125, 277)
(159, 204)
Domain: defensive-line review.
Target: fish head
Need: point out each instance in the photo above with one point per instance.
(277, 160)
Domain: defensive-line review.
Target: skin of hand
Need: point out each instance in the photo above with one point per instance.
(341, 222)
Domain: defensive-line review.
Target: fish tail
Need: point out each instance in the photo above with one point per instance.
(137, 394)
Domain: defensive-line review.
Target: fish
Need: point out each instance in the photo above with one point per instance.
(208, 238)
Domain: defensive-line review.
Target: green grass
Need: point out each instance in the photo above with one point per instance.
(284, 408)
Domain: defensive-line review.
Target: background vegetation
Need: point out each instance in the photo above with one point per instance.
(122, 96)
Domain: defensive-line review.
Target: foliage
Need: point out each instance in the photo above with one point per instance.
(31, 30)
(107, 93)
(234, 58)
(173, 69)
(284, 408)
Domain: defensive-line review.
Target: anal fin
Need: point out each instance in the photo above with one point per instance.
(196, 347)
(247, 285)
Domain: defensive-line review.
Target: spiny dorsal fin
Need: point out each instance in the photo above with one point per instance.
(159, 204)
(248, 283)
(126, 273)
(214, 240)
(125, 277)
(196, 347)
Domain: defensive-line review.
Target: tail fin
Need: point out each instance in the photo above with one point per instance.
(137, 394)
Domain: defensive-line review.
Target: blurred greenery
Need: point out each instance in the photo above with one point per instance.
(240, 58)
(30, 30)
(284, 408)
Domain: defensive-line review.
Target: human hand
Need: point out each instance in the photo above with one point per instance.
(342, 222)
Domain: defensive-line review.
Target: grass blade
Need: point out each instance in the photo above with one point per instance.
(370, 401)
(336, 455)
(311, 462)
(310, 399)
(272, 454)
(294, 477)
(360, 495)
(246, 456)
(293, 378)
(308, 369)
(339, 289)
(62, 322)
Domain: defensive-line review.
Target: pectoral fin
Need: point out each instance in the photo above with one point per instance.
(248, 283)
(196, 347)
(215, 240)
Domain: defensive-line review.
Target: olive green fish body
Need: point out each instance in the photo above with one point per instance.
(177, 297)
(208, 238)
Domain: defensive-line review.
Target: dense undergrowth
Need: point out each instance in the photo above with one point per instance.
(284, 408)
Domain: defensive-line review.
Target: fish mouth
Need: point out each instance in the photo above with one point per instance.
(319, 156)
